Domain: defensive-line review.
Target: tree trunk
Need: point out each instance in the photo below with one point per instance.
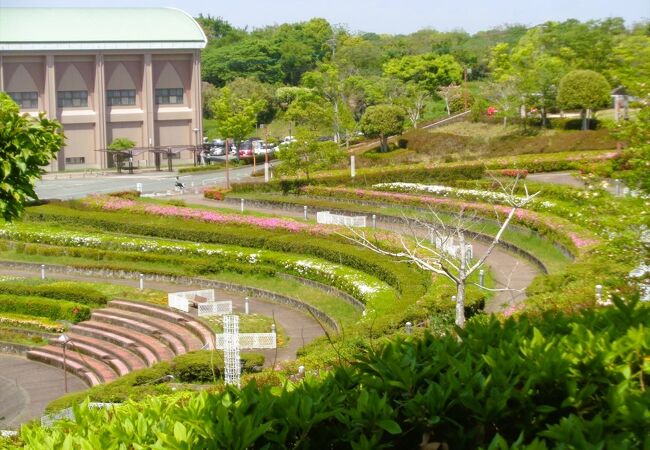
(447, 106)
(384, 143)
(460, 304)
(583, 114)
(544, 118)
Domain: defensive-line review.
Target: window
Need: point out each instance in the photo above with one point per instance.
(169, 96)
(25, 100)
(75, 160)
(71, 99)
(120, 97)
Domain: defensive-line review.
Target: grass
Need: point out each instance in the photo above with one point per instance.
(18, 337)
(251, 323)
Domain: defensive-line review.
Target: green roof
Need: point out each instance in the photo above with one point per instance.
(28, 27)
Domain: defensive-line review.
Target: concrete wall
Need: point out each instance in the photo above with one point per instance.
(93, 127)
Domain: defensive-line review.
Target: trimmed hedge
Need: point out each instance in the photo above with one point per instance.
(59, 290)
(44, 307)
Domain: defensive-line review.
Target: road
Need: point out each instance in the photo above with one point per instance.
(66, 186)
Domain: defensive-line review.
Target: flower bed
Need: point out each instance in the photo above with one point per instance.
(30, 322)
(558, 229)
(116, 204)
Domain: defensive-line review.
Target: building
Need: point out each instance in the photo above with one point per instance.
(106, 73)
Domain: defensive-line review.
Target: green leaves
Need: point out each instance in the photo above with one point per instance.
(26, 144)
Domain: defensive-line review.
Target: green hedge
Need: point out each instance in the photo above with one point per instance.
(194, 367)
(59, 290)
(44, 307)
(555, 381)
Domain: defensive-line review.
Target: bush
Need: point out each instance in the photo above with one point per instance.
(198, 366)
(129, 195)
(492, 385)
(214, 194)
(63, 290)
(44, 307)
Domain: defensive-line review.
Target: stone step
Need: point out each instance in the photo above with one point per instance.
(72, 366)
(160, 350)
(132, 360)
(118, 338)
(190, 341)
(165, 338)
(100, 368)
(202, 331)
(119, 367)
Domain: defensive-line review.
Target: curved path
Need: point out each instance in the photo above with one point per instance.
(507, 269)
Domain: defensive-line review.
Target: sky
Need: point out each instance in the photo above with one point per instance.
(384, 16)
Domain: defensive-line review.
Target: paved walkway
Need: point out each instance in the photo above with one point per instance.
(570, 179)
(26, 387)
(508, 269)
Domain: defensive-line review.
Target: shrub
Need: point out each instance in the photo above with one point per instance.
(214, 194)
(555, 381)
(198, 366)
(513, 173)
(44, 307)
(129, 195)
(63, 290)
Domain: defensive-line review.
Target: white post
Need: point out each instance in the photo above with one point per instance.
(141, 281)
(266, 172)
(599, 292)
(304, 209)
(246, 305)
(42, 271)
(374, 220)
(273, 328)
(409, 328)
(301, 369)
(353, 169)
(481, 277)
(617, 182)
(138, 187)
(241, 205)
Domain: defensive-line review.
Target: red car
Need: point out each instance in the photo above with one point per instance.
(246, 153)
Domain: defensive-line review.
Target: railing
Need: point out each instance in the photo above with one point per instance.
(182, 300)
(251, 340)
(49, 419)
(448, 246)
(325, 217)
(214, 308)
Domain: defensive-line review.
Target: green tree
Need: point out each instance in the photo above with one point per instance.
(383, 121)
(430, 71)
(584, 90)
(26, 145)
(631, 64)
(260, 93)
(120, 149)
(236, 117)
(307, 155)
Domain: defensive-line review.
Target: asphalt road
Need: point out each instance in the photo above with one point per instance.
(67, 186)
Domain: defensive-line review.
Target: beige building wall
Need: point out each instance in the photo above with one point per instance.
(93, 125)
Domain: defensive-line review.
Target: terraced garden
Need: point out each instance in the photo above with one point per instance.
(569, 240)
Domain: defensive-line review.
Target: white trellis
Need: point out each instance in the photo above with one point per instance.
(448, 246)
(214, 308)
(231, 349)
(250, 340)
(183, 300)
(325, 217)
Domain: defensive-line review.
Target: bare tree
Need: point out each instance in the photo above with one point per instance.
(449, 94)
(435, 250)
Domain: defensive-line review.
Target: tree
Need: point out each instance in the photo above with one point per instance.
(430, 70)
(236, 117)
(631, 65)
(505, 96)
(413, 101)
(584, 90)
(120, 148)
(449, 94)
(307, 155)
(383, 121)
(436, 252)
(26, 145)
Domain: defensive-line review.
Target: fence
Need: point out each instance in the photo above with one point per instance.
(251, 340)
(214, 308)
(448, 246)
(325, 217)
(49, 419)
(182, 300)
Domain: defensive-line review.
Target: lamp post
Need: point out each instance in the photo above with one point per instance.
(196, 145)
(64, 340)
